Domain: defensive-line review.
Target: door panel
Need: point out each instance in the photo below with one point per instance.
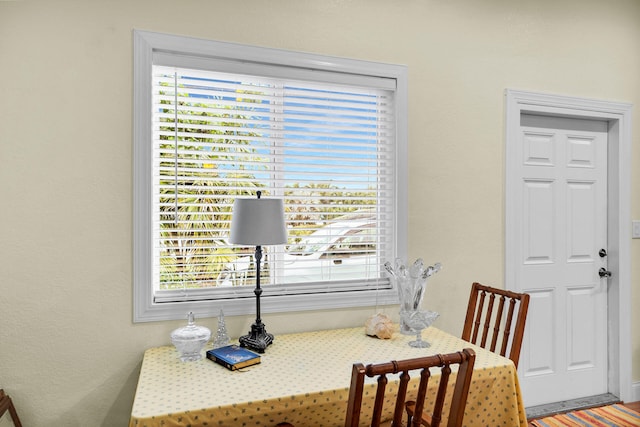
(581, 227)
(539, 362)
(562, 228)
(538, 215)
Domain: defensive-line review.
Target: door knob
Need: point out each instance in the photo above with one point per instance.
(604, 272)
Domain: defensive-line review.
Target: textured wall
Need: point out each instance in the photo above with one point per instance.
(69, 352)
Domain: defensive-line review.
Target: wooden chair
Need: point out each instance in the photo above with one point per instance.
(465, 359)
(6, 405)
(500, 326)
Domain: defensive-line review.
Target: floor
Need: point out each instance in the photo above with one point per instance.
(635, 406)
(570, 406)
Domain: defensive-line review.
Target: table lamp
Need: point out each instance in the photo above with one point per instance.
(258, 222)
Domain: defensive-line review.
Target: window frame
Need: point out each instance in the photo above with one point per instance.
(145, 45)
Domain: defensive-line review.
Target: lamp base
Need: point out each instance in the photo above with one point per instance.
(258, 339)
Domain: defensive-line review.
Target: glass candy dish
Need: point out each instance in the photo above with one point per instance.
(418, 320)
(190, 340)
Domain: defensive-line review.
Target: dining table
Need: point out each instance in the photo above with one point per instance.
(303, 379)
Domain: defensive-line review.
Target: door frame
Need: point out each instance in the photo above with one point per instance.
(618, 116)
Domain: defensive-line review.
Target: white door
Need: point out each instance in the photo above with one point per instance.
(563, 226)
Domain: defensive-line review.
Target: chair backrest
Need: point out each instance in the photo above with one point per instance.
(6, 405)
(465, 359)
(497, 324)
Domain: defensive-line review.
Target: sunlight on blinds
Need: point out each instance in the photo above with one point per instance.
(326, 149)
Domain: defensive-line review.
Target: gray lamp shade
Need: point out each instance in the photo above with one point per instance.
(258, 222)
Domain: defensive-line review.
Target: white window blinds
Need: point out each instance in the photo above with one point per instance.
(326, 148)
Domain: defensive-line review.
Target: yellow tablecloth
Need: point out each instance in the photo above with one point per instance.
(304, 379)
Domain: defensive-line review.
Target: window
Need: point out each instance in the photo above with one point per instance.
(215, 121)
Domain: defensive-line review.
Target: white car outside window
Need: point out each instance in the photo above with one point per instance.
(338, 251)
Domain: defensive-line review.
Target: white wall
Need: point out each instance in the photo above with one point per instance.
(69, 352)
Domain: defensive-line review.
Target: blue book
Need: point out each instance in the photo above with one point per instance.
(233, 357)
